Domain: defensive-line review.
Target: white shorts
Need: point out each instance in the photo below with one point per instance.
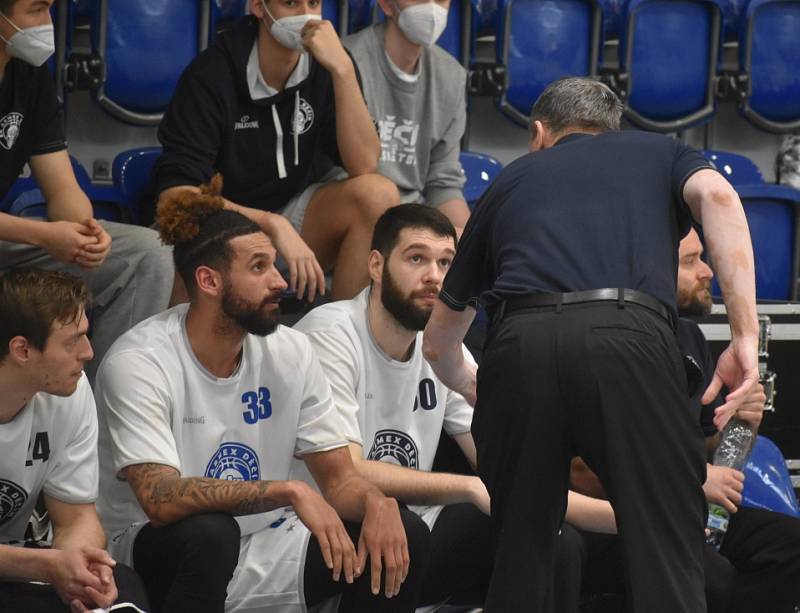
(269, 576)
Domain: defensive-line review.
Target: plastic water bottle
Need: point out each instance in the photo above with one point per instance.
(735, 444)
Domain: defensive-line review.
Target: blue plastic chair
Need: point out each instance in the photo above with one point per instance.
(131, 172)
(539, 41)
(767, 483)
(480, 170)
(773, 216)
(769, 54)
(669, 52)
(144, 48)
(738, 169)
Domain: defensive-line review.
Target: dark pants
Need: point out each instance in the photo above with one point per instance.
(756, 569)
(37, 598)
(358, 597)
(606, 383)
(187, 566)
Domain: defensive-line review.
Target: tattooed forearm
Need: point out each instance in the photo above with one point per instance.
(166, 496)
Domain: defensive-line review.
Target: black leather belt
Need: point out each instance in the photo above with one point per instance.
(612, 294)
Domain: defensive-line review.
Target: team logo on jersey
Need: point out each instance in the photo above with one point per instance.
(395, 447)
(9, 129)
(234, 462)
(304, 118)
(12, 497)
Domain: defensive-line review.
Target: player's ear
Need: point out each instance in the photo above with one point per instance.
(19, 350)
(208, 281)
(375, 265)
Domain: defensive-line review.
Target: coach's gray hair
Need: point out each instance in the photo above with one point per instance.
(577, 102)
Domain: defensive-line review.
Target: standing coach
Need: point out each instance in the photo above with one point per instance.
(573, 250)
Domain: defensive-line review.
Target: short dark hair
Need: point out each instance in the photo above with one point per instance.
(200, 229)
(5, 6)
(31, 300)
(398, 218)
(578, 102)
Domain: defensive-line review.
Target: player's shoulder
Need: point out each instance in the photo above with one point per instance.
(153, 338)
(360, 43)
(340, 317)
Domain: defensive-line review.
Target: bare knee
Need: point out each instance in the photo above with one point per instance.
(371, 195)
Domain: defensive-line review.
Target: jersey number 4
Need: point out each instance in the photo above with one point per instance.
(41, 449)
(257, 405)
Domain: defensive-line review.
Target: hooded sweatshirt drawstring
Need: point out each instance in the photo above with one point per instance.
(279, 136)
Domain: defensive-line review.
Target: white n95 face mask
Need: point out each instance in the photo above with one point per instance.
(288, 30)
(423, 24)
(33, 45)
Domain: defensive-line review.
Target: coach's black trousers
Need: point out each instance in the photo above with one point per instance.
(607, 383)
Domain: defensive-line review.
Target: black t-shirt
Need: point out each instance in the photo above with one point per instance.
(692, 342)
(31, 121)
(590, 212)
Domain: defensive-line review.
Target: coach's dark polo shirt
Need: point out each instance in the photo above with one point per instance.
(590, 212)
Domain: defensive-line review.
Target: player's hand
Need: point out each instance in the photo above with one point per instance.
(383, 539)
(65, 241)
(321, 40)
(752, 409)
(479, 496)
(93, 255)
(737, 369)
(75, 576)
(103, 599)
(305, 273)
(322, 520)
(724, 487)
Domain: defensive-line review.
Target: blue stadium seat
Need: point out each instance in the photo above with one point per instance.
(539, 41)
(144, 48)
(360, 14)
(773, 212)
(769, 56)
(738, 169)
(131, 172)
(767, 484)
(480, 170)
(225, 13)
(458, 36)
(668, 54)
(26, 199)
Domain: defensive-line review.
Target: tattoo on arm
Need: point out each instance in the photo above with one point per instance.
(157, 486)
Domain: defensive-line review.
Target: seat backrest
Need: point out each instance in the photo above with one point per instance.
(770, 56)
(738, 169)
(145, 48)
(669, 53)
(539, 41)
(772, 213)
(767, 483)
(480, 170)
(132, 171)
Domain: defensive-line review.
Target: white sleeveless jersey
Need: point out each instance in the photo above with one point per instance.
(394, 410)
(50, 446)
(158, 404)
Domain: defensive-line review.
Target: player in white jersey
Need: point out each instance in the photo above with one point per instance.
(202, 410)
(394, 407)
(48, 438)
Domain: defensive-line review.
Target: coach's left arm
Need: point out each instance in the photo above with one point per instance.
(442, 347)
(383, 537)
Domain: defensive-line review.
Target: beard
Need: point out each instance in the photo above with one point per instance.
(250, 317)
(695, 303)
(402, 308)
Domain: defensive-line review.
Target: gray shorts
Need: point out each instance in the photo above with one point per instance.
(295, 209)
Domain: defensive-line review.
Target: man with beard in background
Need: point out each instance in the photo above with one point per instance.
(203, 409)
(394, 406)
(757, 565)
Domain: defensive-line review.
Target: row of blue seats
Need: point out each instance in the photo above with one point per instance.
(772, 210)
(669, 71)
